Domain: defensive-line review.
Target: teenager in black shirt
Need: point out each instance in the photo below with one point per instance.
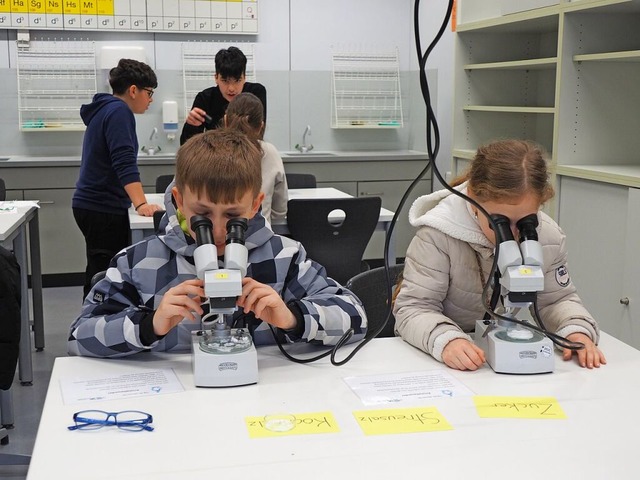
(210, 104)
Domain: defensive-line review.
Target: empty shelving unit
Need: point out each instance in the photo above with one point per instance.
(54, 79)
(366, 90)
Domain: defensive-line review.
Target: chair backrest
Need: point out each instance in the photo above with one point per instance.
(300, 180)
(338, 246)
(97, 277)
(162, 182)
(371, 288)
(3, 191)
(157, 216)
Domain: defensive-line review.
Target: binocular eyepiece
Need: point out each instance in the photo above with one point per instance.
(203, 228)
(236, 228)
(526, 226)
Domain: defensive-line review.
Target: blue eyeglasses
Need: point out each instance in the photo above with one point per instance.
(131, 420)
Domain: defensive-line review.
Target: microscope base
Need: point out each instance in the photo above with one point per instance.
(505, 355)
(223, 370)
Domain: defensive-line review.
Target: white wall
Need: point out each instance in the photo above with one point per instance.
(292, 54)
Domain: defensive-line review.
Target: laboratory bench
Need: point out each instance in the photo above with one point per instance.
(51, 180)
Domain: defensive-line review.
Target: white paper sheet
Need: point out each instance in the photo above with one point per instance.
(406, 387)
(112, 387)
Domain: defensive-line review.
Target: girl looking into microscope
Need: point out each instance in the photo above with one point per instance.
(450, 257)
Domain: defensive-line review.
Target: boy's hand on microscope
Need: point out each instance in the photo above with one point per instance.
(178, 303)
(196, 117)
(461, 354)
(590, 356)
(266, 304)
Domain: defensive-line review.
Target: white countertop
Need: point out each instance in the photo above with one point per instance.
(8, 161)
(200, 433)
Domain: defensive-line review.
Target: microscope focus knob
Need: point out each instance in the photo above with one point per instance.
(624, 301)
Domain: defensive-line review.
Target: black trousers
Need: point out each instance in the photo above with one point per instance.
(10, 295)
(105, 234)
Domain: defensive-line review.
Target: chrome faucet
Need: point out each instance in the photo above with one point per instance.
(304, 148)
(151, 150)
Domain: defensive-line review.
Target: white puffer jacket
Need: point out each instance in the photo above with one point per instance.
(441, 294)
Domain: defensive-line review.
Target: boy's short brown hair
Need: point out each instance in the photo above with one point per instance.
(222, 163)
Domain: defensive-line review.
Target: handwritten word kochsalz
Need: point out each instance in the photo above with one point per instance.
(314, 422)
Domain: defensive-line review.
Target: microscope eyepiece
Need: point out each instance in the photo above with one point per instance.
(203, 228)
(503, 225)
(236, 228)
(527, 227)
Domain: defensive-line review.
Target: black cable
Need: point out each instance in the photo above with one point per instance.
(563, 342)
(433, 147)
(301, 360)
(431, 123)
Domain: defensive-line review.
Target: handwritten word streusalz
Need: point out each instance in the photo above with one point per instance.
(425, 418)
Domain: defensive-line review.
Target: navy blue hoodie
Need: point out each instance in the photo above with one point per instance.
(109, 156)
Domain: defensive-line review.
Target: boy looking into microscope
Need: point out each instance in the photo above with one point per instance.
(150, 298)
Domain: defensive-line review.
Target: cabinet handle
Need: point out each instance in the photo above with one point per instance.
(624, 301)
(376, 194)
(46, 202)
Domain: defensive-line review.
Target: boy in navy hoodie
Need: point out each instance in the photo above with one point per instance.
(109, 180)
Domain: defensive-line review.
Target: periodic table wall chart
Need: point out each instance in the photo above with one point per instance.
(188, 16)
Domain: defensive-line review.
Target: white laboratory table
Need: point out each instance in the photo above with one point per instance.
(13, 235)
(200, 433)
(142, 226)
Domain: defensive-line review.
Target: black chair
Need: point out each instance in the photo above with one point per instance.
(371, 288)
(162, 182)
(300, 180)
(157, 216)
(337, 245)
(3, 191)
(97, 277)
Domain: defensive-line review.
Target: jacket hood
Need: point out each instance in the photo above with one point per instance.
(89, 110)
(177, 240)
(449, 214)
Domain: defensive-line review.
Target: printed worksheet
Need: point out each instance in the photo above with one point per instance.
(125, 385)
(406, 387)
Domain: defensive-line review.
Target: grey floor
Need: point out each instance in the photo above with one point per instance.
(61, 306)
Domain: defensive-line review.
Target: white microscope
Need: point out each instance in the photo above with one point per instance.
(222, 356)
(511, 347)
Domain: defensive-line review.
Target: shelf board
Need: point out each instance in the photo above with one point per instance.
(627, 175)
(602, 6)
(627, 56)
(539, 19)
(508, 109)
(367, 125)
(534, 64)
(464, 153)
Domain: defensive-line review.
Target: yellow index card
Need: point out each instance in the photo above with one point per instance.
(401, 420)
(291, 424)
(519, 407)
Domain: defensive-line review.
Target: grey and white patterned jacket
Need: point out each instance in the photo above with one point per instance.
(116, 316)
